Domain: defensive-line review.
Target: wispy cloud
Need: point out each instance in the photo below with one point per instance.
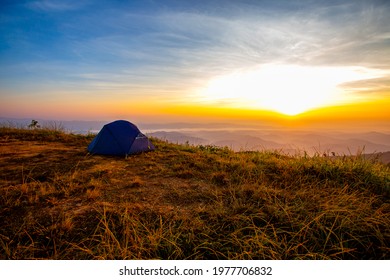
(55, 5)
(182, 50)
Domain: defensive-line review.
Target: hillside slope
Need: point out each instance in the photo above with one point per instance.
(185, 202)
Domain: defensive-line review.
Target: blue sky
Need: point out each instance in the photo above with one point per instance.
(63, 52)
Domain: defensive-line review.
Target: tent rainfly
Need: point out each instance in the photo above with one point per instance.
(120, 138)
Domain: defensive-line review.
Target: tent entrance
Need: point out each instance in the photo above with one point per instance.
(141, 143)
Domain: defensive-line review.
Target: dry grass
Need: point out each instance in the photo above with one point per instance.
(183, 202)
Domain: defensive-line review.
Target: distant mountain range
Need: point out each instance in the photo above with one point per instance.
(374, 144)
(382, 157)
(257, 139)
(246, 138)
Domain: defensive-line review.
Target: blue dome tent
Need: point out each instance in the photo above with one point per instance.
(120, 138)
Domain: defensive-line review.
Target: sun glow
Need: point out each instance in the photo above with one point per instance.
(287, 89)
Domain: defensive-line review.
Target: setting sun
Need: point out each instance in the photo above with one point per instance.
(287, 89)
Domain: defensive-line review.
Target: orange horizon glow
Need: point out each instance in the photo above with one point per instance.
(360, 114)
(150, 110)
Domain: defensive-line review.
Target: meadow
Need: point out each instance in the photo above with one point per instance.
(186, 202)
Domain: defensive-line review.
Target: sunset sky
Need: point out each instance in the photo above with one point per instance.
(199, 61)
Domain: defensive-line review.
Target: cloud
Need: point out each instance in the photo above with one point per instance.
(374, 88)
(218, 42)
(174, 51)
(356, 36)
(55, 5)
